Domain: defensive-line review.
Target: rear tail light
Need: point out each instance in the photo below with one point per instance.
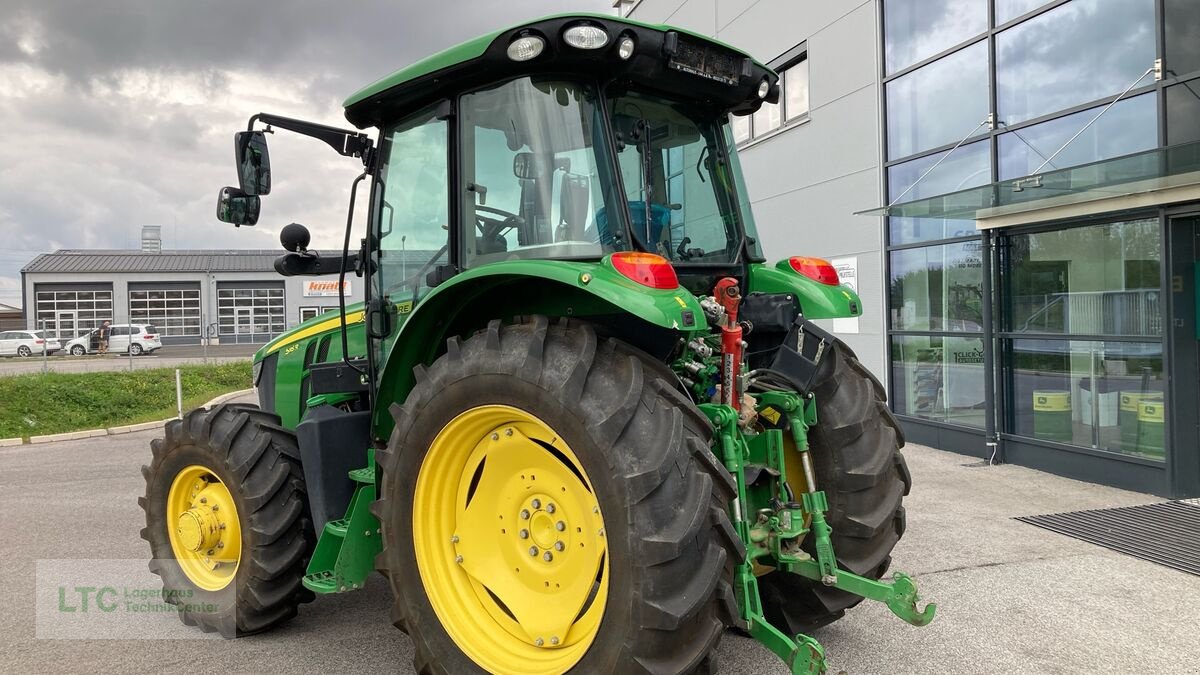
(816, 269)
(646, 269)
(147, 337)
(38, 342)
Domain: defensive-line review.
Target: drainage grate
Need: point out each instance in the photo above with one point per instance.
(1165, 533)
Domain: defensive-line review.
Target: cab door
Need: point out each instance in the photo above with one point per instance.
(412, 217)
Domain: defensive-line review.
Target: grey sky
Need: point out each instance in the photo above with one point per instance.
(121, 113)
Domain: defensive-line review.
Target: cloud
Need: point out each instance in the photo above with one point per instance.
(121, 113)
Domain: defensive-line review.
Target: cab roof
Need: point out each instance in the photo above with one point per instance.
(468, 59)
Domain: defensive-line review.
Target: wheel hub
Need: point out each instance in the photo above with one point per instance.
(206, 536)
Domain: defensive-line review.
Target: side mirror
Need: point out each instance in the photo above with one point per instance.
(526, 166)
(237, 207)
(253, 162)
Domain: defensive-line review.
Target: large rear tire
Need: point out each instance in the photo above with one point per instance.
(619, 450)
(856, 449)
(227, 519)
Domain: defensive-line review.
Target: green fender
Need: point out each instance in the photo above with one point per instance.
(817, 300)
(468, 301)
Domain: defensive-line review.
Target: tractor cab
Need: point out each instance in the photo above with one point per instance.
(579, 422)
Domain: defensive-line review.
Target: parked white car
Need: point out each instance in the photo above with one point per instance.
(137, 339)
(27, 343)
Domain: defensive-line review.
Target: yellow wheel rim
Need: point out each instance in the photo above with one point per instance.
(510, 542)
(202, 522)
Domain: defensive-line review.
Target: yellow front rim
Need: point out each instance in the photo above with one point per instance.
(202, 523)
(510, 542)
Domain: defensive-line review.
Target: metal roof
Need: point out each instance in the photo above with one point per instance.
(124, 261)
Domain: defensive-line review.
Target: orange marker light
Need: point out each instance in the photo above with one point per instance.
(816, 269)
(646, 269)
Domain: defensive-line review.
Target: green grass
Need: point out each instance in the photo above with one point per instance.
(32, 405)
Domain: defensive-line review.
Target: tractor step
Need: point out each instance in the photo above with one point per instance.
(364, 476)
(321, 582)
(337, 527)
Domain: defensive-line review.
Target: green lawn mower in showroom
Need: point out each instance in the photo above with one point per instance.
(578, 423)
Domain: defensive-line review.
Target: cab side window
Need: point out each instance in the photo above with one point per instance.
(414, 207)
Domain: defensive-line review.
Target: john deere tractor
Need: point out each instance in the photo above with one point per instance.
(579, 423)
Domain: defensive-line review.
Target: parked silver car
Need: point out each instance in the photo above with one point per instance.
(27, 343)
(137, 339)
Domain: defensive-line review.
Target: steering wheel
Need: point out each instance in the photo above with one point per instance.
(495, 225)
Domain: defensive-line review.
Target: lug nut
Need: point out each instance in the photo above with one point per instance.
(539, 642)
(560, 526)
(508, 432)
(524, 514)
(204, 500)
(216, 507)
(524, 534)
(536, 503)
(559, 546)
(210, 551)
(554, 640)
(495, 437)
(458, 559)
(547, 556)
(454, 539)
(550, 508)
(220, 544)
(533, 551)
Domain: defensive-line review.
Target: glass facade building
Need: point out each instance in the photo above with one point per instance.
(1064, 342)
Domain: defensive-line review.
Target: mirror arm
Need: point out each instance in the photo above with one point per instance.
(344, 142)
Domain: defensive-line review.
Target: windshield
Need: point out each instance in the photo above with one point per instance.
(683, 187)
(534, 185)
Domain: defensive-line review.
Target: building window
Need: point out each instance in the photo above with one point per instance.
(1129, 126)
(250, 311)
(919, 114)
(307, 313)
(937, 288)
(1183, 113)
(1097, 280)
(939, 378)
(175, 312)
(69, 314)
(1085, 322)
(1101, 394)
(792, 106)
(915, 30)
(967, 167)
(1077, 52)
(1007, 10)
(1182, 24)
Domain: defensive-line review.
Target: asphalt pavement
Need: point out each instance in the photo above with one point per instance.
(1012, 598)
(167, 357)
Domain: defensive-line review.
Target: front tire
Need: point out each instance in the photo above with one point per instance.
(135, 349)
(78, 350)
(227, 519)
(24, 351)
(624, 458)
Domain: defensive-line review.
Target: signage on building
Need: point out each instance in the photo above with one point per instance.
(847, 269)
(325, 289)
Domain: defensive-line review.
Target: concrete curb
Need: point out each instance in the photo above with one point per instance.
(69, 436)
(114, 431)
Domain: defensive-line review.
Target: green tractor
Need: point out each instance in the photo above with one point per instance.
(578, 423)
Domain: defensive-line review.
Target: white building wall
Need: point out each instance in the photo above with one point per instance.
(806, 181)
